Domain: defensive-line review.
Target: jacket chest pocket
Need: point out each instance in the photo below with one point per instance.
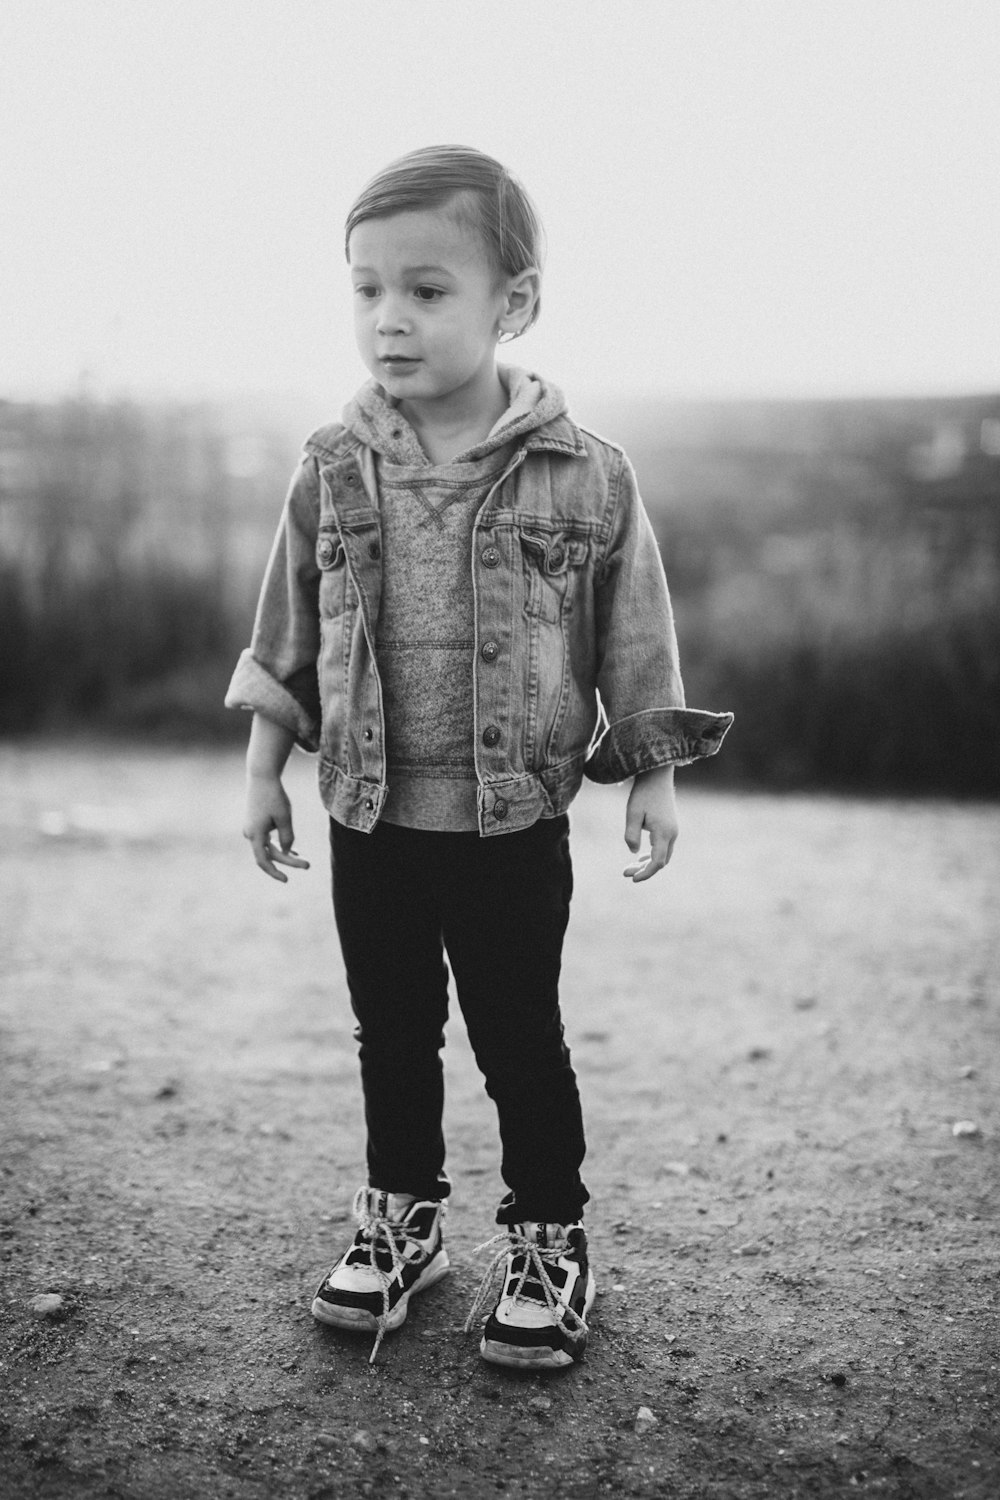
(332, 574)
(553, 561)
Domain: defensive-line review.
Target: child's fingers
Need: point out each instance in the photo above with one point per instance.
(288, 857)
(662, 842)
(633, 831)
(265, 854)
(267, 857)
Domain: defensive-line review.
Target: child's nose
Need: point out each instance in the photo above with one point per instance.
(391, 316)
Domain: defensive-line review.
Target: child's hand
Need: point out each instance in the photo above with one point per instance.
(269, 810)
(653, 807)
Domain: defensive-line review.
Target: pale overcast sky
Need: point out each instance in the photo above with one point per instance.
(741, 196)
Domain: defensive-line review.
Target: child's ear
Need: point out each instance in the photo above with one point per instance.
(522, 294)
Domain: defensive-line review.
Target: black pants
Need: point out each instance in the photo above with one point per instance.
(498, 907)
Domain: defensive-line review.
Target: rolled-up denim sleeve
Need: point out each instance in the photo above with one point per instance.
(646, 722)
(277, 676)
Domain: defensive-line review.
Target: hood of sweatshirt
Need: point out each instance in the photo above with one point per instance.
(374, 418)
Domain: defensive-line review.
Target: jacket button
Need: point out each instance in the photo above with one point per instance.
(369, 804)
(500, 809)
(350, 477)
(490, 651)
(491, 735)
(491, 557)
(374, 550)
(369, 734)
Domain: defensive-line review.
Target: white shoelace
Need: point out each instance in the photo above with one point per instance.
(379, 1230)
(535, 1268)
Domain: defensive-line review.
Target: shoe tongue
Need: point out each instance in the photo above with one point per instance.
(391, 1206)
(544, 1235)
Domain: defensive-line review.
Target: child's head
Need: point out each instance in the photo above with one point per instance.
(443, 248)
(472, 189)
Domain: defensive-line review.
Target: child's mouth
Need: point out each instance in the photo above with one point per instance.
(398, 362)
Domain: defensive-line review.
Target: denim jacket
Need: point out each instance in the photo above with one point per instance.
(575, 667)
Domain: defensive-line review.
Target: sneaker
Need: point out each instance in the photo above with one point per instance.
(539, 1321)
(396, 1252)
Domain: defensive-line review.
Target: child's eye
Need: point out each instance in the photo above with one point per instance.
(366, 293)
(427, 293)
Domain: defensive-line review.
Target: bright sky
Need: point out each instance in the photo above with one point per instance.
(741, 196)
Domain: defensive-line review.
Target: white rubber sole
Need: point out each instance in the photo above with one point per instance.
(531, 1357)
(515, 1358)
(358, 1320)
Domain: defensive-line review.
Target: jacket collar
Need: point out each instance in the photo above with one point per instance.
(561, 435)
(537, 419)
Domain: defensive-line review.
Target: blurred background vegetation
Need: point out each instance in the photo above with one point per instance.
(835, 567)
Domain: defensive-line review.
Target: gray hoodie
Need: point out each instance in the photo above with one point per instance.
(426, 631)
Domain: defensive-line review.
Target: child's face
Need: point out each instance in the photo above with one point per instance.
(427, 307)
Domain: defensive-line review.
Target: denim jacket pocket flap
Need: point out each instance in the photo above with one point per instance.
(554, 551)
(553, 559)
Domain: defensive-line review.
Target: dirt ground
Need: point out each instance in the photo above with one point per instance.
(788, 1049)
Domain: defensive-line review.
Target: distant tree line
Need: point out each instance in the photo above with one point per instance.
(835, 570)
(841, 594)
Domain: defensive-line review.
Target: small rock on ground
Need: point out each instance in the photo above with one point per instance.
(645, 1421)
(47, 1305)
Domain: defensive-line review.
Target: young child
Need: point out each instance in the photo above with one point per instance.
(464, 613)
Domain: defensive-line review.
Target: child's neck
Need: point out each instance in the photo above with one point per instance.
(452, 424)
